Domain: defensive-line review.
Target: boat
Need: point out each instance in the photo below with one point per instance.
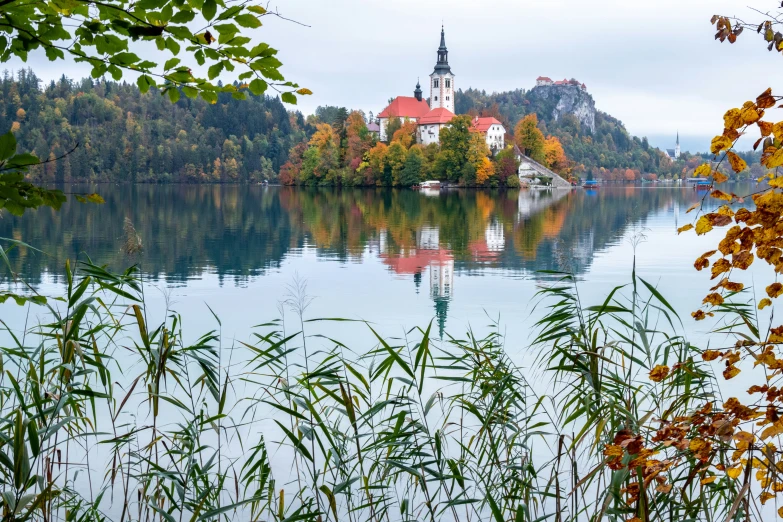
(590, 184)
(702, 185)
(432, 184)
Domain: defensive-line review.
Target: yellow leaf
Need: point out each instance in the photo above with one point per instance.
(719, 177)
(693, 207)
(772, 160)
(777, 130)
(775, 290)
(684, 228)
(703, 225)
(744, 436)
(719, 143)
(750, 114)
(780, 512)
(776, 182)
(715, 299)
(304, 91)
(702, 170)
(734, 472)
(732, 119)
(717, 194)
(730, 372)
(708, 480)
(764, 303)
(737, 164)
(765, 127)
(659, 373)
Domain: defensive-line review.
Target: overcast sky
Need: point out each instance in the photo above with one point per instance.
(654, 65)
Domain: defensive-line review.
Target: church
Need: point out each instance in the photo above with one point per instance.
(674, 153)
(432, 117)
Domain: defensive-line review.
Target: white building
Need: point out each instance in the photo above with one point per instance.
(494, 132)
(442, 79)
(406, 108)
(431, 124)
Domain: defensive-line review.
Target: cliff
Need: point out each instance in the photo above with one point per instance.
(555, 101)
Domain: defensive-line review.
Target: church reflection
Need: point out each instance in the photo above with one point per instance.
(241, 232)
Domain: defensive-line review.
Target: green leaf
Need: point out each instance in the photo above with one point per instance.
(258, 87)
(247, 20)
(7, 145)
(215, 70)
(144, 82)
(288, 97)
(209, 9)
(171, 63)
(183, 17)
(173, 95)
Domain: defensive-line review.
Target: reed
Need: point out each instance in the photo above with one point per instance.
(107, 415)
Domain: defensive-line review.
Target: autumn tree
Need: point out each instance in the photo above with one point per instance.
(529, 138)
(406, 134)
(506, 165)
(555, 155)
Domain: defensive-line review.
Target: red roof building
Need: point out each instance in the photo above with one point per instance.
(440, 116)
(543, 79)
(484, 124)
(405, 107)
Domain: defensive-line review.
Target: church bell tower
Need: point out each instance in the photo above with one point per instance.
(442, 79)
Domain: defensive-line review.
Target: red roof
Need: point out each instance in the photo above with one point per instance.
(439, 115)
(416, 261)
(483, 124)
(405, 107)
(544, 78)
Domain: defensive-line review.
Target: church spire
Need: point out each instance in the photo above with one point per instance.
(417, 92)
(678, 137)
(442, 65)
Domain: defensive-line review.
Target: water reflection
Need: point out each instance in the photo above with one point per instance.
(240, 232)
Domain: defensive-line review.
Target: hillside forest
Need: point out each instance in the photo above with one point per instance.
(108, 131)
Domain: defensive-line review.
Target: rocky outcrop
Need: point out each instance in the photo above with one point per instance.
(559, 100)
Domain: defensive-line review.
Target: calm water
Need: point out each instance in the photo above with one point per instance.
(397, 258)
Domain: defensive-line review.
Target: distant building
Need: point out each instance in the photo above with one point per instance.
(493, 131)
(410, 108)
(675, 152)
(545, 81)
(374, 129)
(431, 124)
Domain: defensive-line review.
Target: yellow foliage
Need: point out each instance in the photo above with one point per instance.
(659, 373)
(703, 170)
(737, 164)
(485, 170)
(684, 228)
(732, 119)
(703, 225)
(719, 177)
(764, 303)
(719, 143)
(776, 182)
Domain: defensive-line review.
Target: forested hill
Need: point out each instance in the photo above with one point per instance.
(609, 146)
(124, 135)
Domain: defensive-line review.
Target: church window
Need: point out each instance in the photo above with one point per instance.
(435, 83)
(448, 83)
(436, 98)
(447, 98)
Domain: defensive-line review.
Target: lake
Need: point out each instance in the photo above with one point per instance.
(398, 258)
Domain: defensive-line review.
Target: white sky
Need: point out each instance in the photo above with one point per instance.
(654, 65)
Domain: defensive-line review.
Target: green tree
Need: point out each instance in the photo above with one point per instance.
(105, 34)
(412, 170)
(454, 148)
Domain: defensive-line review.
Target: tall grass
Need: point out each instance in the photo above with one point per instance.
(109, 415)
